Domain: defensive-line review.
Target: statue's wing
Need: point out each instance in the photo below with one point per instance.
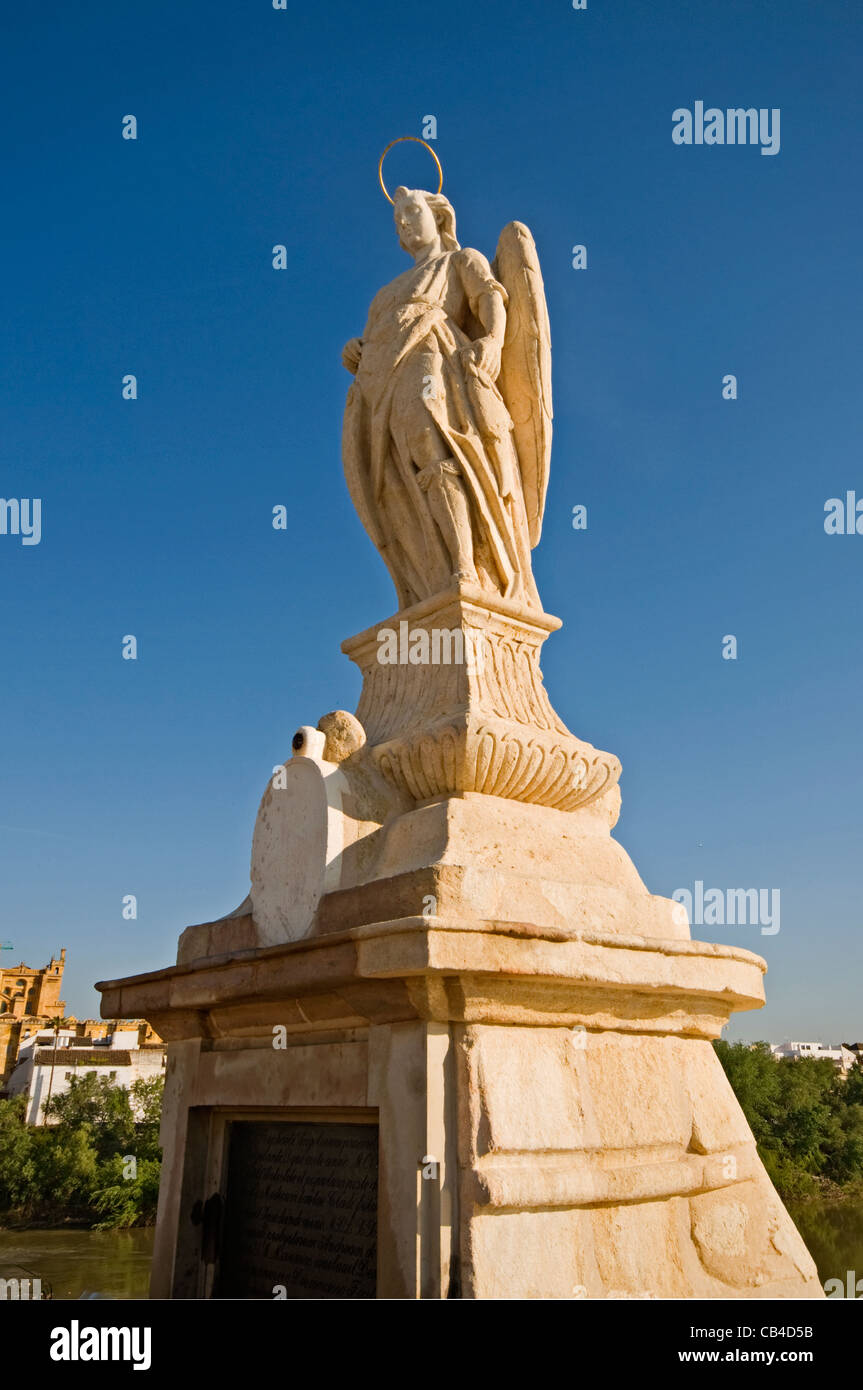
(525, 371)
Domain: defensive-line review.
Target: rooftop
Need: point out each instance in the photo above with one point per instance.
(80, 1057)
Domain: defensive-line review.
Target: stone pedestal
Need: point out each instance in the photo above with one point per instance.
(443, 940)
(453, 701)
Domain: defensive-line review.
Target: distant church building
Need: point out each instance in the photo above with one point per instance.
(30, 999)
(26, 993)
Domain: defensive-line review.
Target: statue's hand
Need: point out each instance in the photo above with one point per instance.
(351, 353)
(484, 354)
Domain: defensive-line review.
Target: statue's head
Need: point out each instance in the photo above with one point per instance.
(420, 216)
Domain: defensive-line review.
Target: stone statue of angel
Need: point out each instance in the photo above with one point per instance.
(447, 430)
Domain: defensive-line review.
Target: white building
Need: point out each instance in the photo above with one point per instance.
(841, 1056)
(41, 1072)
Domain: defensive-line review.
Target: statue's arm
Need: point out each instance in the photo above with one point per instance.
(353, 349)
(491, 313)
(351, 353)
(487, 300)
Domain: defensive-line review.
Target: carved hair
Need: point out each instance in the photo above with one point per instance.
(442, 211)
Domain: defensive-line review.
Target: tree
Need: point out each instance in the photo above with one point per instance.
(807, 1120)
(15, 1152)
(56, 1023)
(101, 1158)
(124, 1201)
(94, 1102)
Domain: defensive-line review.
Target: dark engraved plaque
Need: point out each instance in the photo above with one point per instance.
(301, 1207)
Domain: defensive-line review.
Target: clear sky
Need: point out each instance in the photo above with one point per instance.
(705, 516)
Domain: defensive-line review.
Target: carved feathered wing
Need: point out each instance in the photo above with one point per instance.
(525, 371)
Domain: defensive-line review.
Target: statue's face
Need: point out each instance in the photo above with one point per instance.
(415, 222)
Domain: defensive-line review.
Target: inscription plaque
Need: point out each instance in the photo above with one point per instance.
(301, 1205)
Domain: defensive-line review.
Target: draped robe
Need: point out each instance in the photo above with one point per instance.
(411, 377)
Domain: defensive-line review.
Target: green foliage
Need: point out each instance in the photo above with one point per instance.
(807, 1119)
(79, 1165)
(125, 1201)
(64, 1166)
(147, 1101)
(16, 1168)
(95, 1105)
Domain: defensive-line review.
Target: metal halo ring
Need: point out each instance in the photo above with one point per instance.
(398, 141)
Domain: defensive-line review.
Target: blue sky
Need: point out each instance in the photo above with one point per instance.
(705, 516)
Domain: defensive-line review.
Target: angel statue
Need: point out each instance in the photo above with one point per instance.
(447, 431)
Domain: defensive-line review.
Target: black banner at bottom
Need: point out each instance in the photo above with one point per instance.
(196, 1338)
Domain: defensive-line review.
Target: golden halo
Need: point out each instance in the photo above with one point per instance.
(398, 141)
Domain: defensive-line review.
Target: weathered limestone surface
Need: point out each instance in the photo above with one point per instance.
(495, 981)
(440, 926)
(587, 1141)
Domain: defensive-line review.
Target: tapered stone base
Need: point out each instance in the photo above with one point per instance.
(492, 984)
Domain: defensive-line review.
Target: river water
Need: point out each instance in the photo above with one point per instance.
(833, 1231)
(116, 1264)
(79, 1263)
